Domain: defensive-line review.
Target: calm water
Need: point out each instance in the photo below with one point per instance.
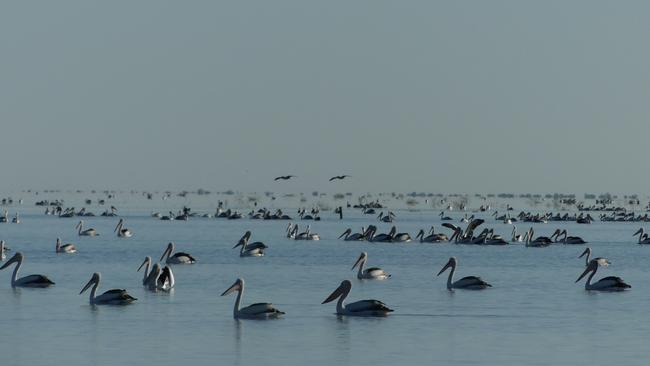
(534, 314)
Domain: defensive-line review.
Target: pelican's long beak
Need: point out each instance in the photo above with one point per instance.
(359, 260)
(241, 242)
(235, 287)
(334, 295)
(145, 262)
(584, 253)
(589, 269)
(90, 283)
(10, 262)
(345, 232)
(638, 232)
(167, 251)
(444, 268)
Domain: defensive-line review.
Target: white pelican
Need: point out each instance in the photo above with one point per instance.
(88, 232)
(121, 231)
(3, 249)
(432, 237)
(260, 310)
(177, 258)
(255, 249)
(643, 237)
(349, 236)
(35, 280)
(465, 283)
(305, 235)
(110, 297)
(610, 283)
(65, 248)
(157, 278)
(569, 239)
(359, 308)
(373, 273)
(601, 261)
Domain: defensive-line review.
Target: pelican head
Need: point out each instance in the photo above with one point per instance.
(244, 239)
(119, 225)
(18, 257)
(587, 252)
(450, 264)
(362, 258)
(591, 267)
(237, 286)
(343, 288)
(147, 260)
(346, 232)
(93, 280)
(640, 231)
(168, 251)
(80, 224)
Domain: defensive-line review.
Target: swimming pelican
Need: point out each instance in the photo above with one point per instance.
(465, 283)
(570, 239)
(88, 232)
(3, 249)
(65, 248)
(5, 216)
(517, 237)
(110, 297)
(255, 249)
(541, 241)
(121, 231)
(610, 283)
(157, 278)
(359, 308)
(432, 237)
(16, 220)
(35, 280)
(643, 237)
(373, 273)
(305, 235)
(260, 310)
(349, 236)
(177, 258)
(601, 261)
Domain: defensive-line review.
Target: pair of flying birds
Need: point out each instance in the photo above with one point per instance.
(287, 177)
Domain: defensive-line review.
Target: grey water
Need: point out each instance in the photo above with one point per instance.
(535, 314)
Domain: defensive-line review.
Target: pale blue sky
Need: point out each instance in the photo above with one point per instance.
(462, 96)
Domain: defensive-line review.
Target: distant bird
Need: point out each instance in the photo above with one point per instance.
(339, 177)
(284, 177)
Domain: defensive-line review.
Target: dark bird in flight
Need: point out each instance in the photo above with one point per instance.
(285, 177)
(341, 177)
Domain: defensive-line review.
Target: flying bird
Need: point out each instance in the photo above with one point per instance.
(284, 177)
(340, 177)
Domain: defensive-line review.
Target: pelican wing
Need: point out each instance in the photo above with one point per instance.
(375, 272)
(473, 225)
(182, 254)
(35, 280)
(612, 282)
(367, 305)
(259, 308)
(256, 245)
(471, 281)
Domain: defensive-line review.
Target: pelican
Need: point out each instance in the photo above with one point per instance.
(260, 310)
(177, 258)
(401, 237)
(65, 248)
(373, 273)
(3, 249)
(517, 237)
(541, 241)
(359, 308)
(601, 261)
(121, 231)
(432, 237)
(610, 283)
(570, 239)
(110, 297)
(87, 232)
(349, 236)
(36, 280)
(255, 249)
(157, 278)
(465, 283)
(643, 237)
(5, 216)
(16, 220)
(305, 235)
